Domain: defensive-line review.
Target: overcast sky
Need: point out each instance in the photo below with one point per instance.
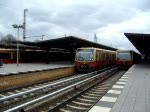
(109, 19)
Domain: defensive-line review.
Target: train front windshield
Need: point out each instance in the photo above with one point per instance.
(124, 56)
(85, 55)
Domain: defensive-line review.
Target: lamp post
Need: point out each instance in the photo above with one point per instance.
(18, 26)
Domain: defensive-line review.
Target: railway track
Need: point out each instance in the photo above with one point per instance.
(32, 97)
(84, 101)
(9, 98)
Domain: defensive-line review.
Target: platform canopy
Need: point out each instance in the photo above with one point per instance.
(140, 41)
(70, 43)
(14, 46)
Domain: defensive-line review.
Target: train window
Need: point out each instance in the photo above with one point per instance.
(107, 56)
(23, 55)
(5, 55)
(85, 55)
(110, 56)
(97, 56)
(104, 56)
(100, 56)
(15, 56)
(124, 56)
(113, 57)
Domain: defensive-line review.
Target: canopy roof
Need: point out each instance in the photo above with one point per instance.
(70, 43)
(140, 41)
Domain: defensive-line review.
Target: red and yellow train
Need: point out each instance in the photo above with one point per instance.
(90, 59)
(29, 56)
(126, 58)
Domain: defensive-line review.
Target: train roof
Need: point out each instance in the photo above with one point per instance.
(95, 48)
(124, 50)
(128, 50)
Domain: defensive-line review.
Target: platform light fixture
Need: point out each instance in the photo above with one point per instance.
(18, 26)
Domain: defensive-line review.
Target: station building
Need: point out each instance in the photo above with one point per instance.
(59, 49)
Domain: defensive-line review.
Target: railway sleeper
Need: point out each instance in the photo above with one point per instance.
(76, 107)
(24, 89)
(102, 86)
(10, 93)
(90, 94)
(96, 92)
(16, 99)
(17, 91)
(65, 110)
(1, 96)
(99, 90)
(80, 103)
(89, 97)
(86, 100)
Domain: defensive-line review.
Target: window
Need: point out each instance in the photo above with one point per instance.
(110, 56)
(5, 55)
(85, 55)
(104, 56)
(124, 55)
(101, 56)
(15, 56)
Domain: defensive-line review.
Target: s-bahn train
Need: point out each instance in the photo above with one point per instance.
(29, 55)
(90, 59)
(126, 58)
(10, 55)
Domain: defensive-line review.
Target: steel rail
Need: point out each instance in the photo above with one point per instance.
(37, 89)
(57, 92)
(43, 87)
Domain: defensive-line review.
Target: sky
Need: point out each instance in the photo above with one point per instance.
(108, 19)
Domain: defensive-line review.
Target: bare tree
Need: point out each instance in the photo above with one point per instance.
(1, 36)
(8, 39)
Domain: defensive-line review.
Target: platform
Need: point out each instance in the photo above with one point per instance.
(7, 69)
(131, 93)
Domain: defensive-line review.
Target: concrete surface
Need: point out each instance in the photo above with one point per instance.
(131, 93)
(25, 67)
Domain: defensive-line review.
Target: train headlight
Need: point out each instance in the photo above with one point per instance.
(84, 66)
